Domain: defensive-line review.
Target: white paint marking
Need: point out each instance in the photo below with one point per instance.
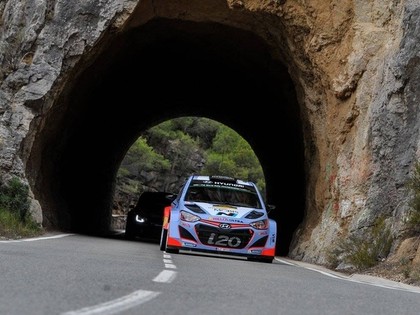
(165, 276)
(284, 262)
(36, 238)
(392, 287)
(328, 274)
(170, 266)
(117, 305)
(167, 261)
(165, 255)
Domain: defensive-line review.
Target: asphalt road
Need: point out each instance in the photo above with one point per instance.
(75, 275)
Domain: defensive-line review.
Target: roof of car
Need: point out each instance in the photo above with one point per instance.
(154, 197)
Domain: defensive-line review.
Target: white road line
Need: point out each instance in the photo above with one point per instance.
(165, 255)
(397, 286)
(329, 274)
(170, 266)
(166, 276)
(167, 261)
(36, 238)
(117, 305)
(284, 262)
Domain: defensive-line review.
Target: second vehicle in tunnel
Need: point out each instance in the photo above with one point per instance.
(145, 219)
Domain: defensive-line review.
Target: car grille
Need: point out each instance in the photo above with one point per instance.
(213, 236)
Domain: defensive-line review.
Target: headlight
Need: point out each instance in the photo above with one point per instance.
(189, 217)
(260, 225)
(140, 219)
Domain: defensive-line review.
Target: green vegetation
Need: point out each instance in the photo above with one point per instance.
(413, 184)
(231, 155)
(150, 159)
(363, 251)
(169, 152)
(15, 219)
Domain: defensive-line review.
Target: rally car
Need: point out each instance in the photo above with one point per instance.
(222, 215)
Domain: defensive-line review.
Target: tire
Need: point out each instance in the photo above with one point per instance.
(266, 260)
(168, 249)
(163, 242)
(128, 234)
(163, 237)
(262, 260)
(172, 250)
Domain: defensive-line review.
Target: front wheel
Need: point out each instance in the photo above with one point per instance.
(267, 260)
(163, 237)
(129, 234)
(163, 243)
(172, 250)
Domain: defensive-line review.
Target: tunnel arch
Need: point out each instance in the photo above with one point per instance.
(161, 70)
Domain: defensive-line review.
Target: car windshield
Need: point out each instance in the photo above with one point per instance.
(154, 202)
(241, 197)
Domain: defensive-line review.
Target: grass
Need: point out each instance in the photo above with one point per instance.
(11, 227)
(363, 251)
(15, 219)
(366, 251)
(413, 222)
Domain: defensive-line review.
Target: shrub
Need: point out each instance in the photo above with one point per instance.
(415, 274)
(14, 198)
(413, 184)
(12, 227)
(15, 220)
(363, 251)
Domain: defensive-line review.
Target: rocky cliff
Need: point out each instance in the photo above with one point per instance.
(354, 64)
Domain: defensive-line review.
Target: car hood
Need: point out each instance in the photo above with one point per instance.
(225, 210)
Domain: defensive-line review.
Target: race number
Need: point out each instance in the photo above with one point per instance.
(223, 240)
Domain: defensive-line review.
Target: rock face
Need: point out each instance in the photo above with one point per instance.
(354, 64)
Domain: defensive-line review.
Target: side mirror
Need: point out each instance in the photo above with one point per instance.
(171, 197)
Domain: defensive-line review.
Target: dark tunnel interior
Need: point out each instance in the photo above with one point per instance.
(163, 70)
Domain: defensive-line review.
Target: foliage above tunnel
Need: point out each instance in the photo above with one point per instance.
(164, 155)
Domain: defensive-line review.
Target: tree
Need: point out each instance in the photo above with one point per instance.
(171, 151)
(142, 157)
(231, 155)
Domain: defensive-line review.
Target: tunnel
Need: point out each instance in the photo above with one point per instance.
(159, 71)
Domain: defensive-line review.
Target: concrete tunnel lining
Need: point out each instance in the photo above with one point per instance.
(162, 70)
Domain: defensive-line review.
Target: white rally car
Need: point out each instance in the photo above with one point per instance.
(221, 215)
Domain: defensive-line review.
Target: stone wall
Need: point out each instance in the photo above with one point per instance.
(355, 66)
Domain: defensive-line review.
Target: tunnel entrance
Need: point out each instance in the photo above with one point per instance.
(162, 70)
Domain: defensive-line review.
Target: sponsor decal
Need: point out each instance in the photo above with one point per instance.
(210, 183)
(222, 249)
(229, 184)
(226, 213)
(207, 183)
(225, 208)
(182, 223)
(255, 251)
(225, 219)
(273, 238)
(189, 244)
